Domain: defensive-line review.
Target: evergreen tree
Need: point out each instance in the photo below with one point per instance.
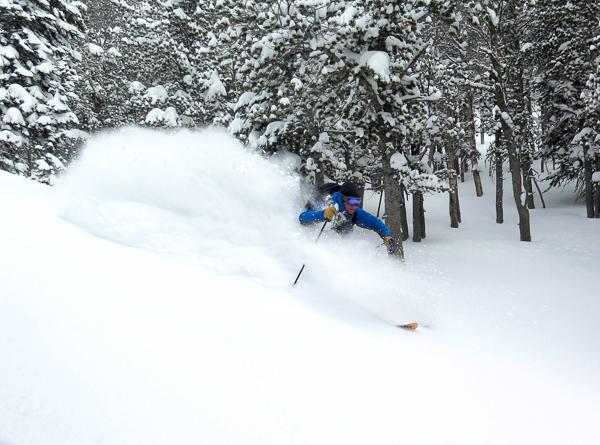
(497, 19)
(563, 44)
(287, 98)
(103, 86)
(37, 85)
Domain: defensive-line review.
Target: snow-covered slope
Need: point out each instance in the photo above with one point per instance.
(147, 298)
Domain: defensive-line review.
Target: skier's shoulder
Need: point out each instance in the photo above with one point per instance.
(337, 197)
(362, 213)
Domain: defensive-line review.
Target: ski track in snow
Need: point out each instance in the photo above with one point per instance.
(147, 298)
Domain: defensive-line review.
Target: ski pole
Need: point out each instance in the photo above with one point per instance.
(304, 265)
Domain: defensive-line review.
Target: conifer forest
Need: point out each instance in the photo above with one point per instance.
(395, 95)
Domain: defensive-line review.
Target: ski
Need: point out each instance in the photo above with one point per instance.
(410, 326)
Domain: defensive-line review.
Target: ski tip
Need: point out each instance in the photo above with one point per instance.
(409, 326)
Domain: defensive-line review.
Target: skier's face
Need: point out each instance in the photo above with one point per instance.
(351, 205)
(350, 209)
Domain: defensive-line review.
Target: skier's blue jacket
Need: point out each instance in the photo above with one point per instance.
(362, 218)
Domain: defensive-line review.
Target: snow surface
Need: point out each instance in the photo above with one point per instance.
(147, 299)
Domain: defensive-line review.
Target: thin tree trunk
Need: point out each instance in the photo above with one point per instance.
(477, 181)
(587, 171)
(597, 200)
(597, 191)
(453, 193)
(540, 193)
(379, 205)
(529, 202)
(319, 176)
(392, 200)
(473, 145)
(517, 186)
(403, 213)
(423, 231)
(482, 132)
(503, 115)
(393, 194)
(418, 217)
(499, 180)
(525, 154)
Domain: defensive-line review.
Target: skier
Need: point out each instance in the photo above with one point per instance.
(344, 210)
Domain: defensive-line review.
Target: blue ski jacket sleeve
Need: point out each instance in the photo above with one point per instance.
(363, 218)
(367, 221)
(311, 216)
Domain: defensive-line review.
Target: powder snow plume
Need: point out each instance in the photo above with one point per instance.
(202, 194)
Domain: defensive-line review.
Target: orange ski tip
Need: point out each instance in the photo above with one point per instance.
(411, 326)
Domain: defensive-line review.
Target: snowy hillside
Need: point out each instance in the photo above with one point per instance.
(147, 299)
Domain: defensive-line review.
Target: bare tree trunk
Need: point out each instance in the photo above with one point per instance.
(587, 172)
(403, 214)
(453, 194)
(597, 191)
(393, 194)
(503, 116)
(379, 205)
(499, 180)
(392, 199)
(525, 154)
(513, 159)
(477, 181)
(540, 193)
(319, 176)
(418, 218)
(430, 156)
(423, 231)
(482, 132)
(473, 145)
(529, 202)
(597, 200)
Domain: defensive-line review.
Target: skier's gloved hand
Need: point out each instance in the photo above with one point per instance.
(390, 243)
(329, 213)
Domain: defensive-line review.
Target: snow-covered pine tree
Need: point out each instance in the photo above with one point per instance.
(336, 83)
(563, 40)
(495, 19)
(37, 85)
(379, 45)
(449, 128)
(286, 98)
(103, 86)
(591, 121)
(152, 65)
(171, 80)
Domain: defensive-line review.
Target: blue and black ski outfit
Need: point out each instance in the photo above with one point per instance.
(361, 218)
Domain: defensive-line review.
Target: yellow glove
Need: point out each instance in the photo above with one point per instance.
(392, 246)
(329, 213)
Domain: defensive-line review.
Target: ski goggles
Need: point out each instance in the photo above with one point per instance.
(353, 201)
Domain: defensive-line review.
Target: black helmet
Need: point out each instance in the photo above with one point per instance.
(350, 190)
